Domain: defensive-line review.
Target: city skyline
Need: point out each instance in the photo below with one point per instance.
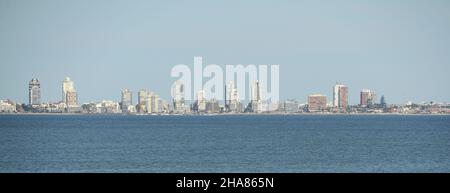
(339, 95)
(338, 99)
(149, 102)
(398, 49)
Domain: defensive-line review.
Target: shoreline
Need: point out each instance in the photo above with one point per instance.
(228, 114)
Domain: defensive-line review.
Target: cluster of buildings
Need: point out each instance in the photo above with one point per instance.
(150, 103)
(318, 102)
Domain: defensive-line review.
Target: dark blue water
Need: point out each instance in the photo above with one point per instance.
(363, 143)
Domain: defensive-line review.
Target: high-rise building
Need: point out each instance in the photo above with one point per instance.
(256, 97)
(233, 92)
(66, 87)
(340, 97)
(383, 102)
(317, 102)
(71, 99)
(152, 103)
(256, 91)
(142, 101)
(201, 101)
(34, 92)
(367, 97)
(233, 103)
(178, 97)
(212, 106)
(70, 95)
(142, 96)
(126, 100)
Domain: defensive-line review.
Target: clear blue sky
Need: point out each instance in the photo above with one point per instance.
(399, 48)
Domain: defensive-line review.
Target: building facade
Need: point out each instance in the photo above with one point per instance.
(340, 97)
(153, 103)
(71, 99)
(142, 101)
(201, 101)
(67, 86)
(317, 103)
(232, 98)
(367, 97)
(34, 92)
(256, 101)
(69, 94)
(126, 99)
(178, 97)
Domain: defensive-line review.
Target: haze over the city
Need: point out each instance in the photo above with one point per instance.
(399, 49)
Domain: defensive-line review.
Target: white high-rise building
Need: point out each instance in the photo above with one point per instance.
(70, 95)
(234, 104)
(152, 103)
(142, 96)
(34, 92)
(232, 92)
(155, 104)
(126, 99)
(178, 97)
(142, 100)
(201, 101)
(67, 86)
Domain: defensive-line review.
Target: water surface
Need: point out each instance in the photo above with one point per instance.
(242, 143)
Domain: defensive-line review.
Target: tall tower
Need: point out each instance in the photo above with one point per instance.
(256, 96)
(178, 96)
(34, 92)
(142, 101)
(69, 94)
(340, 96)
(201, 101)
(152, 103)
(256, 91)
(66, 87)
(367, 97)
(127, 99)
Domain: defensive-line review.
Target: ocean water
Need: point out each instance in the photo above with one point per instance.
(241, 143)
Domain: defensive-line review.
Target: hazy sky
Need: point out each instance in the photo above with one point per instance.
(397, 48)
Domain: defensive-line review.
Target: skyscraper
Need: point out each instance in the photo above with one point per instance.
(317, 102)
(34, 92)
(178, 97)
(66, 86)
(256, 91)
(156, 103)
(71, 99)
(383, 102)
(256, 96)
(152, 103)
(142, 101)
(212, 106)
(234, 104)
(70, 95)
(127, 99)
(340, 97)
(367, 97)
(201, 101)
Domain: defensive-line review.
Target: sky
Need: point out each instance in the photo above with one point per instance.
(397, 48)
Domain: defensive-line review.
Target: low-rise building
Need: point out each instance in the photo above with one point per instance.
(317, 103)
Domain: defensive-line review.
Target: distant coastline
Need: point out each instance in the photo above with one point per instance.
(232, 114)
